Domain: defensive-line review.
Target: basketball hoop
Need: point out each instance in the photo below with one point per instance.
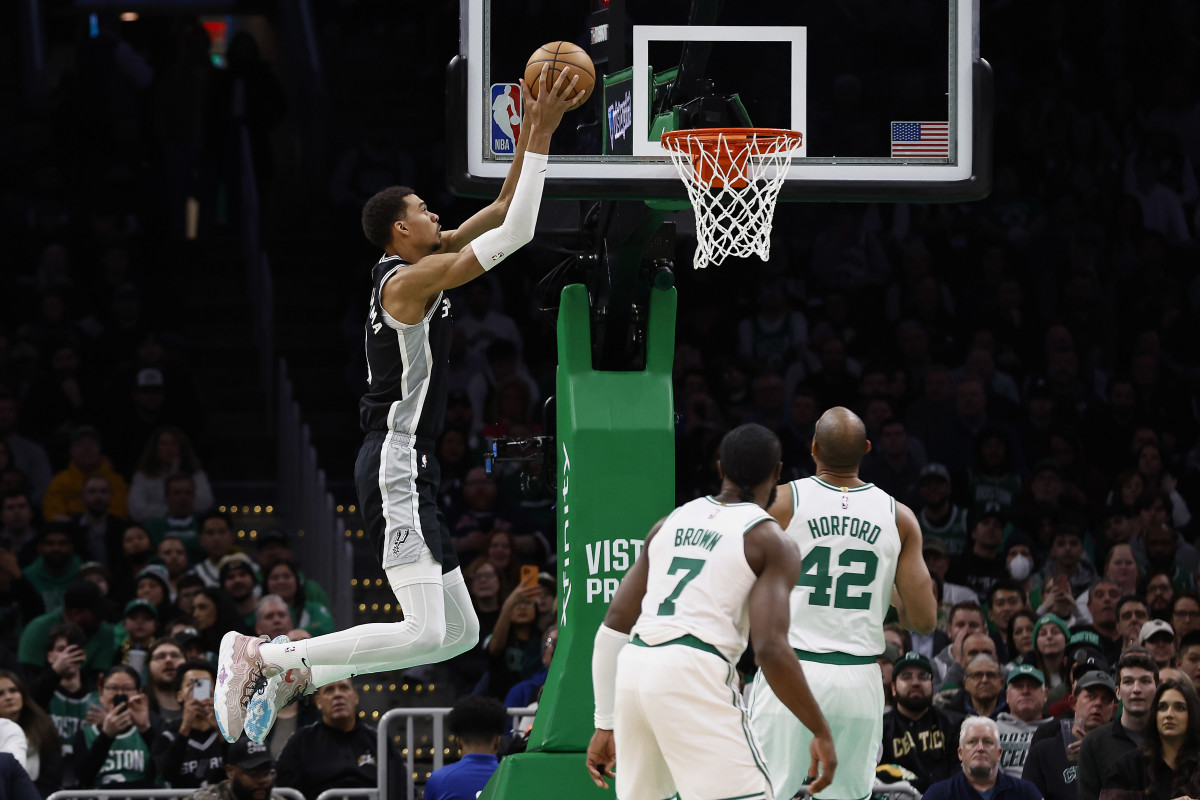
(733, 177)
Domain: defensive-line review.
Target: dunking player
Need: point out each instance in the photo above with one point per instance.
(408, 334)
(861, 551)
(710, 571)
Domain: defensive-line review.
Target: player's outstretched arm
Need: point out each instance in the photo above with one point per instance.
(776, 560)
(610, 638)
(917, 601)
(541, 118)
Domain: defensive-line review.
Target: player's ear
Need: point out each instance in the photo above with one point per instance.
(778, 472)
(868, 447)
(720, 472)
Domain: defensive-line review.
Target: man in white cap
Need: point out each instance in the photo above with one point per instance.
(1158, 637)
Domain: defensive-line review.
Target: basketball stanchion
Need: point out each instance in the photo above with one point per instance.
(733, 177)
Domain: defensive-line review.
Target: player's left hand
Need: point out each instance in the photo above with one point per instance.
(824, 762)
(602, 757)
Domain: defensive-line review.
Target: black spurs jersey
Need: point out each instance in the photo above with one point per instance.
(406, 364)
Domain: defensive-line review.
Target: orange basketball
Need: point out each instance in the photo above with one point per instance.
(559, 55)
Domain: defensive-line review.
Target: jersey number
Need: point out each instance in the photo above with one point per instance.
(814, 572)
(691, 568)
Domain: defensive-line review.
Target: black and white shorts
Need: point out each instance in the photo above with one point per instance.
(397, 477)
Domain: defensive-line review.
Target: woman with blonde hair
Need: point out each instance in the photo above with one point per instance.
(168, 451)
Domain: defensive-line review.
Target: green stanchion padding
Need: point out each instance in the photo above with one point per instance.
(616, 478)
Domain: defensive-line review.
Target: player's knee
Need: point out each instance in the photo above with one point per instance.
(427, 638)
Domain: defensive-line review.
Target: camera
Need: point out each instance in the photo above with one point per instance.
(535, 454)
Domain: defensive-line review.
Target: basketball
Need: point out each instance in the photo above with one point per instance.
(559, 55)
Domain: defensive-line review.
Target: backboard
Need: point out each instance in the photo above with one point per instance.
(893, 98)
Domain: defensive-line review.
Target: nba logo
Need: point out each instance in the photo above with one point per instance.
(506, 118)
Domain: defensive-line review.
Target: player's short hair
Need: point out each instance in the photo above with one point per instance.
(749, 454)
(477, 719)
(381, 211)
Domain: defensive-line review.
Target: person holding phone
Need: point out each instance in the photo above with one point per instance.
(188, 754)
(514, 648)
(116, 750)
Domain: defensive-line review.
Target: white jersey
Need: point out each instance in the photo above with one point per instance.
(850, 544)
(699, 582)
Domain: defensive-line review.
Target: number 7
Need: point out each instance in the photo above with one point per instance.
(690, 566)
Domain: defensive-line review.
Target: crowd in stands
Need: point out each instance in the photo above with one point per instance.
(1022, 363)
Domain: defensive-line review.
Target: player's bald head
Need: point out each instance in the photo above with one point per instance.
(840, 439)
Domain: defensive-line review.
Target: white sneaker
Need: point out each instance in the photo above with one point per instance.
(241, 673)
(279, 692)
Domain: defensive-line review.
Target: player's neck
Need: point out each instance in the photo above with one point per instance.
(839, 477)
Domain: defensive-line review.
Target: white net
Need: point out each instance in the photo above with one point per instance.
(733, 180)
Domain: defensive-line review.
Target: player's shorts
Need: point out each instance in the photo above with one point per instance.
(681, 727)
(851, 698)
(397, 477)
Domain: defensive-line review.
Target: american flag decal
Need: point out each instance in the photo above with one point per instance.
(920, 139)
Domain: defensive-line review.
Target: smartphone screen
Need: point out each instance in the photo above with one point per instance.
(202, 688)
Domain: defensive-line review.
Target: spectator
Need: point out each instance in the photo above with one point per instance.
(477, 722)
(514, 648)
(938, 515)
(66, 692)
(64, 496)
(172, 552)
(980, 694)
(1005, 599)
(28, 457)
(17, 532)
(1189, 656)
(168, 452)
(1050, 635)
(1050, 763)
(1132, 615)
(965, 618)
(164, 658)
(971, 645)
(116, 750)
(99, 532)
(1167, 764)
(1137, 682)
(1102, 605)
(43, 760)
(133, 638)
(136, 551)
(214, 615)
(337, 751)
(499, 549)
(1121, 568)
(1158, 638)
(186, 589)
(240, 584)
(188, 754)
(1019, 638)
(154, 586)
(917, 735)
(1185, 612)
(273, 546)
(79, 608)
(272, 617)
(547, 601)
(1068, 560)
(249, 772)
(56, 566)
(1026, 698)
(1159, 592)
(180, 518)
(216, 542)
(981, 564)
(529, 691)
(933, 549)
(284, 580)
(15, 783)
(979, 751)
(483, 583)
(20, 602)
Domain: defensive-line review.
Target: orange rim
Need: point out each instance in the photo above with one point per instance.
(730, 148)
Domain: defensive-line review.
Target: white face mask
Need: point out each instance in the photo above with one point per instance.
(1020, 567)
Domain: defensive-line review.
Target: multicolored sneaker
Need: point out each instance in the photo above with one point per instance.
(279, 692)
(241, 673)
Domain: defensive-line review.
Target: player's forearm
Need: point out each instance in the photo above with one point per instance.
(605, 650)
(918, 614)
(782, 670)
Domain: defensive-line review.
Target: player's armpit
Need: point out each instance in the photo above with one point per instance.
(406, 294)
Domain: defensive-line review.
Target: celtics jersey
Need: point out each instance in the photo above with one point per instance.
(850, 545)
(699, 582)
(128, 758)
(69, 714)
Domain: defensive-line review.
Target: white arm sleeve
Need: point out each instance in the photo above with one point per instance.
(492, 247)
(605, 650)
